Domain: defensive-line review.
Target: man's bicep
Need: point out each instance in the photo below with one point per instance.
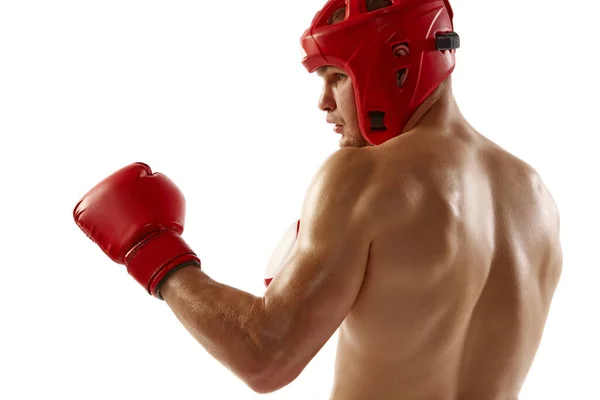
(329, 257)
(314, 291)
(320, 273)
(309, 299)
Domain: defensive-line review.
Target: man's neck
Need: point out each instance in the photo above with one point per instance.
(438, 109)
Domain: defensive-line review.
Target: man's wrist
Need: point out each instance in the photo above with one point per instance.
(171, 274)
(178, 277)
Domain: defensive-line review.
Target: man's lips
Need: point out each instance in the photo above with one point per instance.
(338, 128)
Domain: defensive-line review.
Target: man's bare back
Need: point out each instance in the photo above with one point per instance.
(458, 285)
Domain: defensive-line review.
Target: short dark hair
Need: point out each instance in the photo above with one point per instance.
(372, 5)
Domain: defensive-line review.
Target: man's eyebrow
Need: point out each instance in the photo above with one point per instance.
(323, 70)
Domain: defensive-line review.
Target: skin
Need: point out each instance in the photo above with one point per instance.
(436, 255)
(337, 99)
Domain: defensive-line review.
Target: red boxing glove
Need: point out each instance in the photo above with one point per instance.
(137, 217)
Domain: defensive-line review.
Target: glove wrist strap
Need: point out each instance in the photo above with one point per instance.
(157, 257)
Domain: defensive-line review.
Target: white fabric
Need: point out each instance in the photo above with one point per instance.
(281, 253)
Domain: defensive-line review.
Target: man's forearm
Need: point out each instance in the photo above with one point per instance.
(229, 323)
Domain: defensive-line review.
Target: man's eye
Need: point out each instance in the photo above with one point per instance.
(341, 77)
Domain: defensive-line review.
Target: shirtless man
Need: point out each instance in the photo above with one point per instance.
(434, 252)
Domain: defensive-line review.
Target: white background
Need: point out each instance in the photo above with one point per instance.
(213, 94)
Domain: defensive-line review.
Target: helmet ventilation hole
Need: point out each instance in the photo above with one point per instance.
(401, 49)
(401, 76)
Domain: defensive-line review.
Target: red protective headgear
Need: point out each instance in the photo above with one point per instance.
(363, 45)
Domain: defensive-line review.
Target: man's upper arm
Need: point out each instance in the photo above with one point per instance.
(315, 290)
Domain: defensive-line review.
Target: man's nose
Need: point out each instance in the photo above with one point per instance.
(326, 101)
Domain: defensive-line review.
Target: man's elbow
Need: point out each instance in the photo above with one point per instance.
(263, 386)
(272, 378)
